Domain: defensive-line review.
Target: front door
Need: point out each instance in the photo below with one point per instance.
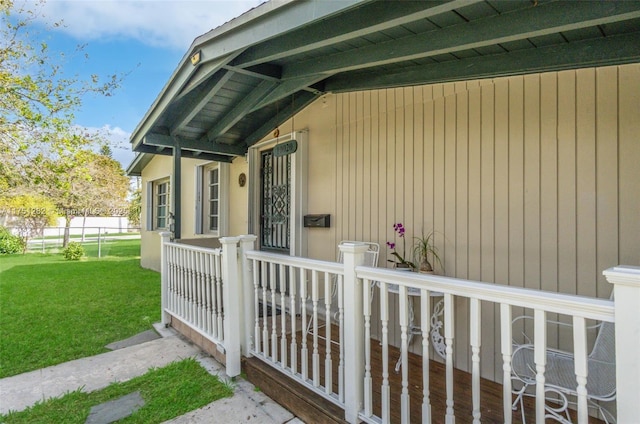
(275, 202)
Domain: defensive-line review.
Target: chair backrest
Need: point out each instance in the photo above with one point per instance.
(602, 363)
(370, 256)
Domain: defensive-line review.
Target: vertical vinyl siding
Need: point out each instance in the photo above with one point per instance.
(529, 181)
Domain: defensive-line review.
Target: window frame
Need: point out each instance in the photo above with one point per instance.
(154, 211)
(203, 199)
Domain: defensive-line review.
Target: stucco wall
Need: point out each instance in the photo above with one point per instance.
(162, 167)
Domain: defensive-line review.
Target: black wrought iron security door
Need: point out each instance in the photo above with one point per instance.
(275, 202)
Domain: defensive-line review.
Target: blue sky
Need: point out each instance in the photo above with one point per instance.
(146, 39)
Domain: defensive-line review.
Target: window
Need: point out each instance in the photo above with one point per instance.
(158, 201)
(211, 200)
(161, 204)
(212, 208)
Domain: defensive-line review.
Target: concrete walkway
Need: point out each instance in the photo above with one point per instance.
(96, 372)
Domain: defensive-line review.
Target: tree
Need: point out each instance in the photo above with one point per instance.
(89, 185)
(29, 214)
(37, 100)
(135, 208)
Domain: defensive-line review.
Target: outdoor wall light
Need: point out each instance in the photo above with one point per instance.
(195, 58)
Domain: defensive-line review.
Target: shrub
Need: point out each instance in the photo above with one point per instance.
(10, 244)
(73, 252)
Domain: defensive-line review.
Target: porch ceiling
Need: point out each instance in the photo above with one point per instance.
(260, 68)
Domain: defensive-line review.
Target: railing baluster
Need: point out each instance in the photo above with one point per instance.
(199, 308)
(265, 316)
(425, 314)
(368, 389)
(283, 316)
(506, 348)
(292, 297)
(256, 305)
(190, 311)
(316, 355)
(273, 285)
(219, 283)
(328, 294)
(448, 335)
(304, 352)
(203, 282)
(474, 321)
(384, 318)
(208, 298)
(540, 353)
(580, 355)
(340, 289)
(404, 352)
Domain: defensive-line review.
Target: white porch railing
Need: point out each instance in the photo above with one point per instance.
(196, 290)
(269, 298)
(294, 294)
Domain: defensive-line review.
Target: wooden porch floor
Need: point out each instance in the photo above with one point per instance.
(490, 398)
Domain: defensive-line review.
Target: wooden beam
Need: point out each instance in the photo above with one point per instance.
(611, 50)
(301, 100)
(265, 71)
(373, 17)
(287, 88)
(175, 191)
(544, 19)
(205, 94)
(238, 112)
(162, 140)
(143, 148)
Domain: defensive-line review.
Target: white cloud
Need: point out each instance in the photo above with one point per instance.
(118, 140)
(165, 23)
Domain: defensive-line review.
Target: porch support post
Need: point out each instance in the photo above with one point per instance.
(165, 237)
(353, 254)
(248, 317)
(177, 190)
(232, 303)
(626, 286)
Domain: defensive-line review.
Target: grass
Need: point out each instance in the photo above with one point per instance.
(168, 392)
(53, 311)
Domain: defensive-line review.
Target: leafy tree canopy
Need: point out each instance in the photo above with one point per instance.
(38, 98)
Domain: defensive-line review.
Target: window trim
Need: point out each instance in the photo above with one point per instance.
(153, 204)
(203, 200)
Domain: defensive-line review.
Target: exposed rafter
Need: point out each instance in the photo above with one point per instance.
(300, 101)
(253, 66)
(379, 18)
(289, 87)
(240, 110)
(595, 52)
(545, 19)
(195, 105)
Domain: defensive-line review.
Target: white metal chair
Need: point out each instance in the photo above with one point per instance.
(560, 378)
(370, 259)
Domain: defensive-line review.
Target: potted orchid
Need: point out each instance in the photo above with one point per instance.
(400, 260)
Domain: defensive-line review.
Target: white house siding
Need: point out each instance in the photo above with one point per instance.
(528, 181)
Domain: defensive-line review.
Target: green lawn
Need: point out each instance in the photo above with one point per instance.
(168, 392)
(53, 311)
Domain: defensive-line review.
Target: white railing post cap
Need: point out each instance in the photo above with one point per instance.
(229, 240)
(165, 234)
(248, 237)
(353, 247)
(623, 274)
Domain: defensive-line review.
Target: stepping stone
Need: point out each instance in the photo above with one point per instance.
(115, 410)
(145, 336)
